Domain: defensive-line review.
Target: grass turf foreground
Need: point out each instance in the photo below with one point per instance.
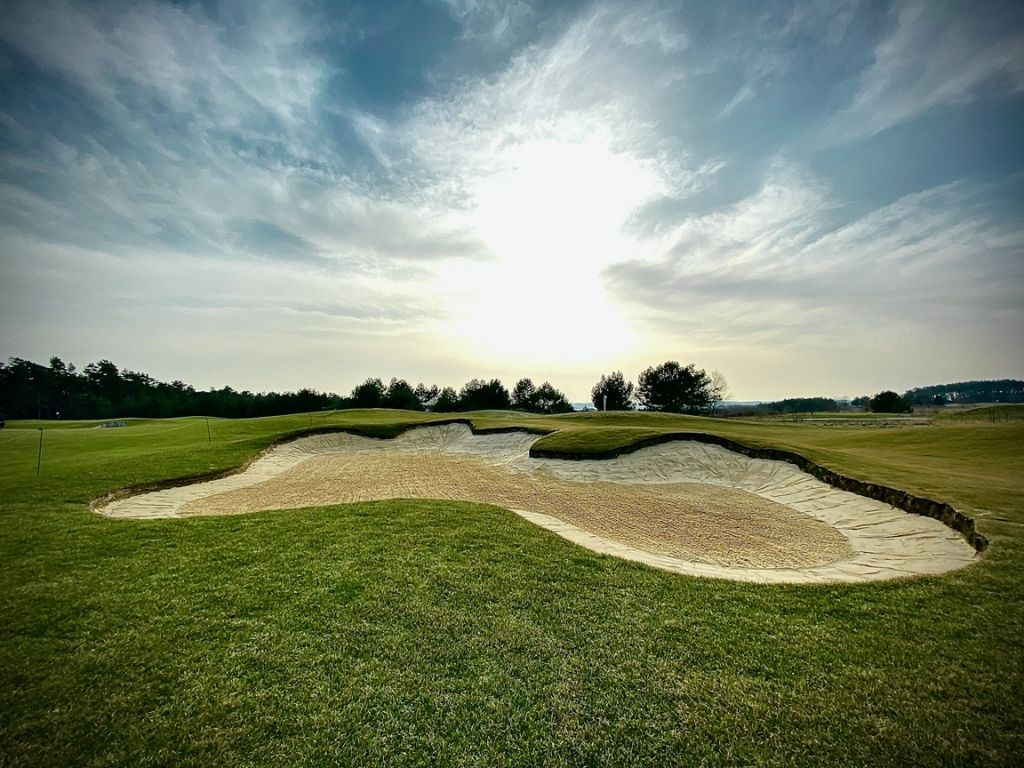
(434, 633)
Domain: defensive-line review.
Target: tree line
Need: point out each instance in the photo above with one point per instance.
(968, 392)
(101, 390)
(799, 405)
(475, 395)
(958, 393)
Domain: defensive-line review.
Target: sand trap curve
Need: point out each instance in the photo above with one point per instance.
(686, 507)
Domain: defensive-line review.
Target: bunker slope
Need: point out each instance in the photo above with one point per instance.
(686, 507)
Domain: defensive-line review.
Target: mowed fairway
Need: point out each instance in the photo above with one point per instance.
(426, 633)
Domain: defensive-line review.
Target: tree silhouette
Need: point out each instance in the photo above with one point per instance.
(402, 396)
(718, 391)
(616, 389)
(427, 396)
(547, 399)
(369, 394)
(522, 395)
(674, 388)
(447, 401)
(889, 402)
(480, 395)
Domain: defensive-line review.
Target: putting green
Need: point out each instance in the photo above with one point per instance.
(686, 507)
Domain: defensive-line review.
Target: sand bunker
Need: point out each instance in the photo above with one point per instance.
(686, 507)
(684, 520)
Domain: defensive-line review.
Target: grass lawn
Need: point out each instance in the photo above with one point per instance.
(437, 633)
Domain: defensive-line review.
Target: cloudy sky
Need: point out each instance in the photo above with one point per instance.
(813, 198)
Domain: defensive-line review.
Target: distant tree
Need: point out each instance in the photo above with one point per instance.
(522, 395)
(861, 402)
(547, 399)
(889, 402)
(799, 405)
(60, 384)
(104, 379)
(480, 395)
(939, 400)
(369, 394)
(102, 390)
(674, 388)
(402, 396)
(59, 367)
(985, 391)
(718, 391)
(447, 401)
(89, 406)
(616, 389)
(427, 396)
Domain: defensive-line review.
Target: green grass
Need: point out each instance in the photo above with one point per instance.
(433, 633)
(831, 416)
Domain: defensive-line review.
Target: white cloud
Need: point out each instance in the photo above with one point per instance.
(175, 53)
(209, 175)
(589, 81)
(208, 321)
(495, 21)
(544, 164)
(649, 24)
(773, 292)
(148, 236)
(776, 268)
(937, 55)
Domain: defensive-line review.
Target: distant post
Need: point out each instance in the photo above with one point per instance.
(604, 404)
(209, 437)
(39, 458)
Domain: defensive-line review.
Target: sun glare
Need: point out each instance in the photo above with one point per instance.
(551, 215)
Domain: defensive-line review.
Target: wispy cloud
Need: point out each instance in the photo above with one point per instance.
(495, 21)
(778, 262)
(177, 55)
(208, 126)
(938, 54)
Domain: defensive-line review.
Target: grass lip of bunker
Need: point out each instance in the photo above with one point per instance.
(885, 541)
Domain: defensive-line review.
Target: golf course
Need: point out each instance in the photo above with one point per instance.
(490, 384)
(388, 593)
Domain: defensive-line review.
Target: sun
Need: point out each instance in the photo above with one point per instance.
(550, 213)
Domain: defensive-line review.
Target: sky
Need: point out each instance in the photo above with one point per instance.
(811, 198)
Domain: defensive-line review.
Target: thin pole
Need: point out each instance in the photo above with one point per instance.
(310, 414)
(39, 459)
(209, 437)
(605, 403)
